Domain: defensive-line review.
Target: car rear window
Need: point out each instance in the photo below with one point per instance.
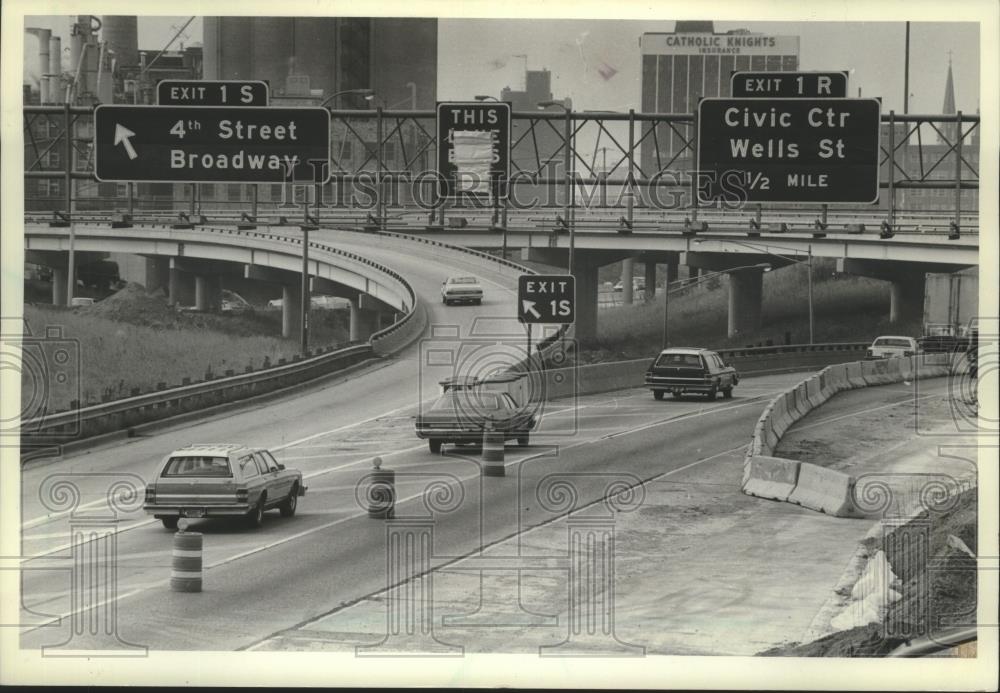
(197, 466)
(680, 360)
(892, 342)
(464, 280)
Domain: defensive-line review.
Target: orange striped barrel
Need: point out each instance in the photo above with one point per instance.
(185, 572)
(493, 444)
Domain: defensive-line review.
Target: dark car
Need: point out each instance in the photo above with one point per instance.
(690, 370)
(462, 415)
(222, 480)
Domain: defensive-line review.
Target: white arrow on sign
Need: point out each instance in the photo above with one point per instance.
(529, 307)
(122, 135)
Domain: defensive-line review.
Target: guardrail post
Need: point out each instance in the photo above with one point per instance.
(253, 201)
(130, 187)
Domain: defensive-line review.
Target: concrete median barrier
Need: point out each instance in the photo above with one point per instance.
(825, 490)
(855, 379)
(773, 478)
(814, 393)
(878, 372)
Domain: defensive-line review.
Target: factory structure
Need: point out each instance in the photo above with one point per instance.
(306, 61)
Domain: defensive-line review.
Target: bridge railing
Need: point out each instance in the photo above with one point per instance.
(382, 161)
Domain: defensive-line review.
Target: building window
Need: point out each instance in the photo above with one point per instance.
(207, 190)
(276, 192)
(234, 193)
(53, 129)
(52, 159)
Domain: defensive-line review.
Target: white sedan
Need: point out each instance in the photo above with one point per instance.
(461, 290)
(891, 346)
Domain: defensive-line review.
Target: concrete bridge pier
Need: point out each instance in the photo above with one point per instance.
(745, 285)
(180, 286)
(291, 310)
(207, 292)
(650, 276)
(628, 269)
(746, 289)
(906, 289)
(586, 301)
(59, 279)
(157, 274)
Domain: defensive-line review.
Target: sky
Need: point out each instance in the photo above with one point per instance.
(477, 56)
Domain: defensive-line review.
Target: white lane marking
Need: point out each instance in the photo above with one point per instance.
(683, 417)
(120, 530)
(320, 472)
(51, 517)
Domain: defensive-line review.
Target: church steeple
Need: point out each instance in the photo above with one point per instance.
(949, 91)
(948, 130)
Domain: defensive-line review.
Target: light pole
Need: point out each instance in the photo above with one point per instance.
(704, 277)
(809, 274)
(570, 187)
(369, 94)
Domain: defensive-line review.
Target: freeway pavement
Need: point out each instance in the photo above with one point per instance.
(331, 553)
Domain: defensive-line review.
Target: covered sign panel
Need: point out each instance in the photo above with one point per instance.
(474, 148)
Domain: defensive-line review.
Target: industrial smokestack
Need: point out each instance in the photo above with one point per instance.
(55, 71)
(44, 36)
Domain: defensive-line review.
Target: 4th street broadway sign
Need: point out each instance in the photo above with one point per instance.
(546, 298)
(211, 144)
(788, 150)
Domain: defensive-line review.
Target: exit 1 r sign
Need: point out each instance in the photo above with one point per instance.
(788, 150)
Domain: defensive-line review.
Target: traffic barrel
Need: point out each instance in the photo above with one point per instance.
(381, 494)
(493, 445)
(185, 573)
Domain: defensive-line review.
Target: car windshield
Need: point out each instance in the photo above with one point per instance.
(892, 342)
(682, 360)
(463, 280)
(197, 466)
(467, 401)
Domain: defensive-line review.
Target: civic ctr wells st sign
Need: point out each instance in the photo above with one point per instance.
(211, 144)
(788, 150)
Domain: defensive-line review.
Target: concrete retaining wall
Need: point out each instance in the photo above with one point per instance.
(815, 487)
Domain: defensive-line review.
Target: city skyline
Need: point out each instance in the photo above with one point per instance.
(597, 62)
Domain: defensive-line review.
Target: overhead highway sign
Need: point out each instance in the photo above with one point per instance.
(474, 148)
(217, 144)
(205, 92)
(788, 150)
(789, 85)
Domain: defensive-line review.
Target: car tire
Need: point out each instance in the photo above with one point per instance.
(524, 441)
(727, 393)
(169, 522)
(658, 395)
(711, 393)
(255, 518)
(289, 505)
(435, 446)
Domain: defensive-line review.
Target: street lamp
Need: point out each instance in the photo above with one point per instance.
(704, 277)
(809, 265)
(485, 97)
(369, 94)
(570, 187)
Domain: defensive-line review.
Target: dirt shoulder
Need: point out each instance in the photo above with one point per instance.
(930, 584)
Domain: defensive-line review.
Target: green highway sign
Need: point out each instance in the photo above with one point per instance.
(211, 144)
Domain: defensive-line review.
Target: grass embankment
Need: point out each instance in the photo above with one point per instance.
(133, 339)
(847, 309)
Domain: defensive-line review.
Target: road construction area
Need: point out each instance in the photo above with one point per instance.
(692, 567)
